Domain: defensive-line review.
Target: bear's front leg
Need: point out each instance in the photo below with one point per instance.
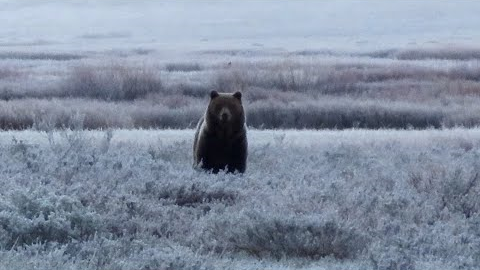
(238, 156)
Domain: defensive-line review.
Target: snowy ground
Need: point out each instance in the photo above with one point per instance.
(129, 199)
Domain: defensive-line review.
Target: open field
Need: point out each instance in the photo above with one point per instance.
(129, 199)
(301, 64)
(289, 90)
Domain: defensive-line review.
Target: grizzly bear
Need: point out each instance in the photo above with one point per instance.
(221, 137)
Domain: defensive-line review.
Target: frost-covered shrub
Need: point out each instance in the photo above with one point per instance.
(155, 258)
(452, 53)
(101, 253)
(230, 81)
(183, 67)
(458, 194)
(351, 90)
(264, 235)
(392, 258)
(265, 109)
(155, 116)
(40, 56)
(454, 191)
(44, 218)
(115, 82)
(130, 199)
(194, 195)
(7, 73)
(341, 114)
(194, 90)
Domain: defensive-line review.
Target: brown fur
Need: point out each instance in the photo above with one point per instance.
(221, 136)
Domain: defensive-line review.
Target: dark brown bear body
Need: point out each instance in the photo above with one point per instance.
(221, 137)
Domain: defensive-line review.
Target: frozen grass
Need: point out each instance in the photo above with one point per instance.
(39, 56)
(184, 67)
(113, 82)
(301, 92)
(349, 199)
(97, 114)
(452, 53)
(176, 111)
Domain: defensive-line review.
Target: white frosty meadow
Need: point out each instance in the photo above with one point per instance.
(127, 199)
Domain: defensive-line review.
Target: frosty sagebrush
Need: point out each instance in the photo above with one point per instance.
(377, 199)
(316, 92)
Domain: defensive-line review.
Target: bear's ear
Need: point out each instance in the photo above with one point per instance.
(238, 95)
(213, 94)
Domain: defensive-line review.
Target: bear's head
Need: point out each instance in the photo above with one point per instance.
(225, 111)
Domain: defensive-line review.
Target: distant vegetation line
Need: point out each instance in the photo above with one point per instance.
(299, 90)
(330, 113)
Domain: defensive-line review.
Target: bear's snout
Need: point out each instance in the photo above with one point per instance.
(225, 115)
